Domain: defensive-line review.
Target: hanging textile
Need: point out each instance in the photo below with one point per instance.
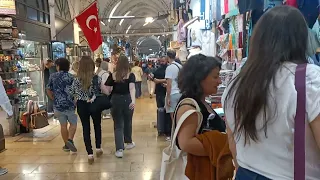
(226, 7)
(310, 10)
(247, 5)
(292, 3)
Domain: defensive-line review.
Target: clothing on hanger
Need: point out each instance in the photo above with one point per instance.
(310, 10)
(292, 3)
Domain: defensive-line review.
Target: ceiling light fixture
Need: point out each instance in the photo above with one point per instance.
(149, 19)
(128, 29)
(123, 19)
(114, 9)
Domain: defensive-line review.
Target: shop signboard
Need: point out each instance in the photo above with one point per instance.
(7, 7)
(205, 14)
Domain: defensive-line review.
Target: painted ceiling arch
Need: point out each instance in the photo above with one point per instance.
(136, 10)
(162, 5)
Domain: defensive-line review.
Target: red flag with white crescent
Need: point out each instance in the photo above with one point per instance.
(90, 25)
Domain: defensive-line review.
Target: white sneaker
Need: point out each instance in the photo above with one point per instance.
(99, 152)
(168, 139)
(130, 145)
(90, 158)
(119, 153)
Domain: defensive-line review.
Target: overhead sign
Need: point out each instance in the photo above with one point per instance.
(7, 7)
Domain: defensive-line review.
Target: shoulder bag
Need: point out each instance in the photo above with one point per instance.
(300, 123)
(39, 119)
(174, 160)
(102, 101)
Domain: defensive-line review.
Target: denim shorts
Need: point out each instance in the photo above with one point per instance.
(174, 102)
(66, 116)
(245, 174)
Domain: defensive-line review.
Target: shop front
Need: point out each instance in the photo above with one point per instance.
(25, 45)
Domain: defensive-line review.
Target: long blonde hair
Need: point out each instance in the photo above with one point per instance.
(86, 72)
(122, 69)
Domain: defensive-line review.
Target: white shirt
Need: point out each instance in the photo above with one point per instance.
(172, 72)
(4, 100)
(272, 157)
(104, 76)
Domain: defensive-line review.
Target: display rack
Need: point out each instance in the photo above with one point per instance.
(9, 72)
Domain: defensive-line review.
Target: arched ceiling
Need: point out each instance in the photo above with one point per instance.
(138, 8)
(148, 45)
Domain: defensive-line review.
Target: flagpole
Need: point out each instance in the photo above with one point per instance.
(73, 20)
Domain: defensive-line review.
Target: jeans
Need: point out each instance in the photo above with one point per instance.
(245, 174)
(84, 114)
(122, 118)
(138, 89)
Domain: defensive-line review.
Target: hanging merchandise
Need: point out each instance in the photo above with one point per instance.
(247, 5)
(310, 10)
(205, 16)
(181, 31)
(271, 3)
(292, 3)
(208, 43)
(316, 27)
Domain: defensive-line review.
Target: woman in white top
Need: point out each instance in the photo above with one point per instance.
(260, 103)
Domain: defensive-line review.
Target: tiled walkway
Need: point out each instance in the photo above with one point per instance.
(47, 161)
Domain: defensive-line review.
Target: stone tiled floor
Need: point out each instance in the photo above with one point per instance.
(46, 160)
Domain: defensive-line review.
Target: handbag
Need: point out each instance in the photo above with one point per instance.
(300, 124)
(174, 160)
(5, 22)
(38, 119)
(100, 104)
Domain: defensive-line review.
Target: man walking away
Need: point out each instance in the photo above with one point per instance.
(173, 92)
(64, 103)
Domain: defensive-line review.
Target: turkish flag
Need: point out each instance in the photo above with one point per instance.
(90, 25)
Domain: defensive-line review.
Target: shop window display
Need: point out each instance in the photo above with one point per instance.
(58, 50)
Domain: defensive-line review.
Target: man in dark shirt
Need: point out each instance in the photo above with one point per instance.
(159, 78)
(49, 68)
(159, 75)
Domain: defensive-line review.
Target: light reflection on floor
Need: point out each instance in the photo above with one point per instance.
(46, 161)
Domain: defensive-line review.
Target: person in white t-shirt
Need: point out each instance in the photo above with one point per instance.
(260, 102)
(173, 92)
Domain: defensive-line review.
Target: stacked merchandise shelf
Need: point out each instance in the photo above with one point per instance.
(215, 100)
(10, 70)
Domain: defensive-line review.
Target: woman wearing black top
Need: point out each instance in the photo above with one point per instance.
(198, 79)
(122, 85)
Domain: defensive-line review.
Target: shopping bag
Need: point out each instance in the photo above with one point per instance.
(174, 160)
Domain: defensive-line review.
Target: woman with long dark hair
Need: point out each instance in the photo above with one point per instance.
(86, 88)
(260, 103)
(122, 85)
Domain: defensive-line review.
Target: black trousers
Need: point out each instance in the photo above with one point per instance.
(122, 118)
(84, 114)
(160, 99)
